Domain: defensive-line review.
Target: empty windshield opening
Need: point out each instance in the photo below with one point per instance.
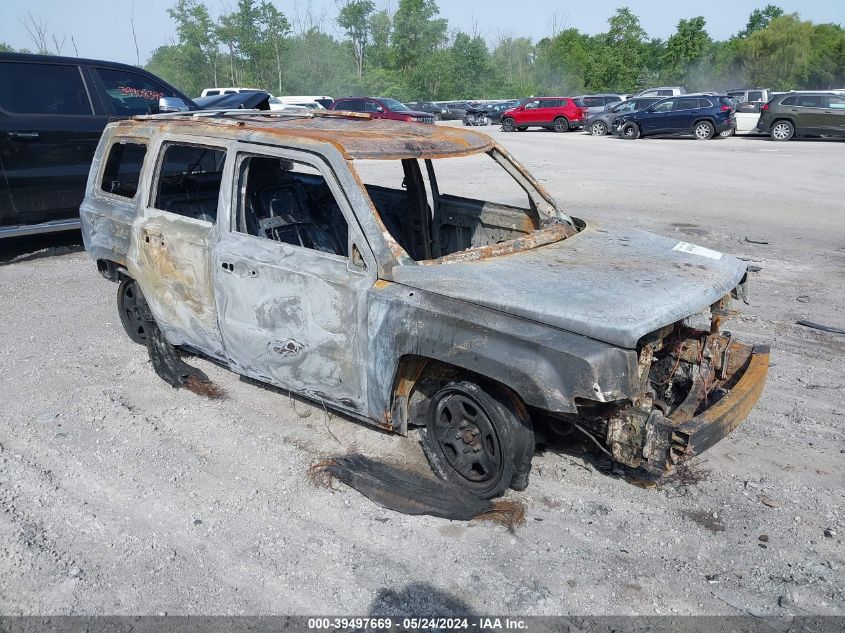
(437, 207)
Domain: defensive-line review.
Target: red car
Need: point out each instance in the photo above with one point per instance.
(558, 113)
(382, 108)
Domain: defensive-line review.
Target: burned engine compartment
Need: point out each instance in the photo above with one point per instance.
(685, 372)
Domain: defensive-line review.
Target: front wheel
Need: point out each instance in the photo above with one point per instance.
(630, 131)
(561, 124)
(522, 128)
(508, 124)
(129, 304)
(727, 133)
(476, 438)
(782, 131)
(598, 128)
(703, 131)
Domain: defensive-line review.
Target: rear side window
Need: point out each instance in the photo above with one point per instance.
(788, 101)
(123, 168)
(550, 103)
(212, 93)
(810, 101)
(664, 93)
(612, 99)
(131, 93)
(686, 104)
(592, 102)
(189, 181)
(352, 105)
(27, 88)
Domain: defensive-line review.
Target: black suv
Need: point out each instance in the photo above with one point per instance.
(702, 116)
(52, 113)
(803, 114)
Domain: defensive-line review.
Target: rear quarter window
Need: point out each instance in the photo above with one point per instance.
(123, 168)
(788, 101)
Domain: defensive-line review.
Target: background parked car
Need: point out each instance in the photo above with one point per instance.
(427, 106)
(382, 108)
(662, 91)
(702, 116)
(753, 97)
(598, 103)
(602, 123)
(803, 114)
(560, 114)
(454, 110)
(52, 113)
(488, 113)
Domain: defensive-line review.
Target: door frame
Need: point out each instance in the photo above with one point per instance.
(356, 242)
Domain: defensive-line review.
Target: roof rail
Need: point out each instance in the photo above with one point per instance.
(223, 113)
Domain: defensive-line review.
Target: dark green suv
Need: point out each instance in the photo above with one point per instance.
(803, 114)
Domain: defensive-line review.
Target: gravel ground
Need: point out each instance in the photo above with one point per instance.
(120, 495)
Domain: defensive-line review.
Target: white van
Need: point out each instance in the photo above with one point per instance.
(213, 92)
(306, 100)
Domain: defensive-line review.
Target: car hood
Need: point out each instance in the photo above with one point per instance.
(611, 284)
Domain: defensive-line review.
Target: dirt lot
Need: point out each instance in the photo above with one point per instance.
(121, 495)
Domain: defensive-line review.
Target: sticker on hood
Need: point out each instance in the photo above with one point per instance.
(694, 249)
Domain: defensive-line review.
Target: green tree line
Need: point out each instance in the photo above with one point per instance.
(411, 53)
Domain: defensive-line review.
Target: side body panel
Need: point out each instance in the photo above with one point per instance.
(293, 316)
(545, 366)
(170, 257)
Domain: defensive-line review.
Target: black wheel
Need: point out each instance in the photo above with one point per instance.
(437, 116)
(561, 124)
(476, 438)
(508, 124)
(630, 131)
(522, 128)
(128, 307)
(598, 128)
(782, 131)
(703, 131)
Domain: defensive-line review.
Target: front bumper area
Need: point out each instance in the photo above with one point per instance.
(672, 441)
(722, 379)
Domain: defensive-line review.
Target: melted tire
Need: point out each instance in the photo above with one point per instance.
(505, 436)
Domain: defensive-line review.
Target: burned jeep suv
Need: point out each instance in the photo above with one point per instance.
(413, 275)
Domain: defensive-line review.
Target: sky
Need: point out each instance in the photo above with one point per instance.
(101, 28)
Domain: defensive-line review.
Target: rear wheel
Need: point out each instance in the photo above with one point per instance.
(727, 133)
(476, 438)
(630, 131)
(782, 131)
(703, 131)
(598, 128)
(561, 124)
(522, 128)
(508, 124)
(129, 302)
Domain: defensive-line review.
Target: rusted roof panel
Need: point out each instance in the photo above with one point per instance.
(357, 137)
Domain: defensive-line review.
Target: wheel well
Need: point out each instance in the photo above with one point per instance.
(416, 377)
(111, 270)
(784, 118)
(704, 118)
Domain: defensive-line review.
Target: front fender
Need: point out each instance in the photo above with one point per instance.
(547, 367)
